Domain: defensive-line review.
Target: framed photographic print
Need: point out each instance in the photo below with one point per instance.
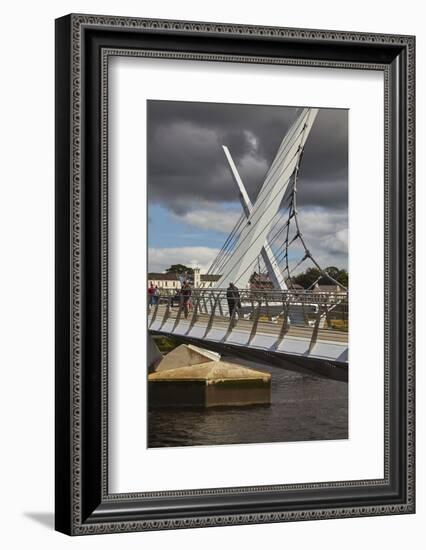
(234, 274)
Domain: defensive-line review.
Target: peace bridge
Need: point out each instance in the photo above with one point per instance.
(300, 330)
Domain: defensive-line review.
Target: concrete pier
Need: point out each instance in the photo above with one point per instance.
(210, 384)
(186, 355)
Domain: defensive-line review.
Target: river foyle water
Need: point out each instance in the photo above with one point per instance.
(303, 408)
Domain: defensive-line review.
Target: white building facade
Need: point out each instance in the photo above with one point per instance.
(173, 281)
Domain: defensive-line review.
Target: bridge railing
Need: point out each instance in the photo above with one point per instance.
(307, 308)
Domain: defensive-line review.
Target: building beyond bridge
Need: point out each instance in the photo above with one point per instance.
(258, 281)
(173, 280)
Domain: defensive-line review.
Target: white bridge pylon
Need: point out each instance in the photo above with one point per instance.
(268, 256)
(252, 240)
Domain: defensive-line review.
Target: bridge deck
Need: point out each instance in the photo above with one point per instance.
(267, 327)
(303, 341)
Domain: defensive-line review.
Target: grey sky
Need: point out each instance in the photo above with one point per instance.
(188, 172)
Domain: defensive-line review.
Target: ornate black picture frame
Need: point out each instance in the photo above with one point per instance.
(83, 45)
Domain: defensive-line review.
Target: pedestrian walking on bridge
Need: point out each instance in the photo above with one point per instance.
(233, 298)
(185, 298)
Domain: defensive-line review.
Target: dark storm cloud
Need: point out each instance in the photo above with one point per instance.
(186, 163)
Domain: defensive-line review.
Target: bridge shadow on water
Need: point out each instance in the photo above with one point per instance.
(302, 408)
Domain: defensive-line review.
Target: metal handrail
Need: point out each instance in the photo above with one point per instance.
(284, 308)
(249, 293)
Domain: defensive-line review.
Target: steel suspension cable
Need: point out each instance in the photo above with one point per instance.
(264, 199)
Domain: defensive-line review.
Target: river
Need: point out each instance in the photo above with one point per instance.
(303, 408)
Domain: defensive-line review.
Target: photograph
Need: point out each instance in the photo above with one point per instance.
(234, 273)
(247, 273)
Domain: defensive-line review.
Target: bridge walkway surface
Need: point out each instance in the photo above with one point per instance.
(275, 336)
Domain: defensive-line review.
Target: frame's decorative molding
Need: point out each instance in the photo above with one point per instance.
(240, 519)
(237, 30)
(80, 23)
(76, 271)
(410, 298)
